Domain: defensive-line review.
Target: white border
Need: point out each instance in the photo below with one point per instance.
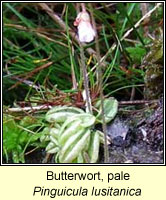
(100, 164)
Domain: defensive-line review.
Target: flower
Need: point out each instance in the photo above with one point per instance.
(86, 33)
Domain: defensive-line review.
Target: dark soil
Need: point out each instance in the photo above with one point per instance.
(137, 138)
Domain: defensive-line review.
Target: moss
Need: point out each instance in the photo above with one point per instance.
(154, 70)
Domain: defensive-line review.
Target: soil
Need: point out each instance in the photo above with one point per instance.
(137, 138)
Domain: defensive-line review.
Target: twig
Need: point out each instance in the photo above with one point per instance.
(31, 108)
(46, 107)
(135, 102)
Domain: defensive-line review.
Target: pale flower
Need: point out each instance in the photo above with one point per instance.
(86, 33)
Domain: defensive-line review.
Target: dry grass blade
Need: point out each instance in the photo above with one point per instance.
(30, 74)
(147, 15)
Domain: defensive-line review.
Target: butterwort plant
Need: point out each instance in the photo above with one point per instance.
(71, 135)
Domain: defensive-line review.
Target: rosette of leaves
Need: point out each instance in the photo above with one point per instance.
(71, 135)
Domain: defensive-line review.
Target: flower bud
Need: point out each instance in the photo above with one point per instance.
(86, 33)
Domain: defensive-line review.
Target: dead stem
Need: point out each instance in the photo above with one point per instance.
(133, 89)
(136, 102)
(74, 81)
(47, 158)
(31, 151)
(144, 9)
(30, 108)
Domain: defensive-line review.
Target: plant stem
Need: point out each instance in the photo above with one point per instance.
(83, 7)
(100, 82)
(85, 73)
(86, 82)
